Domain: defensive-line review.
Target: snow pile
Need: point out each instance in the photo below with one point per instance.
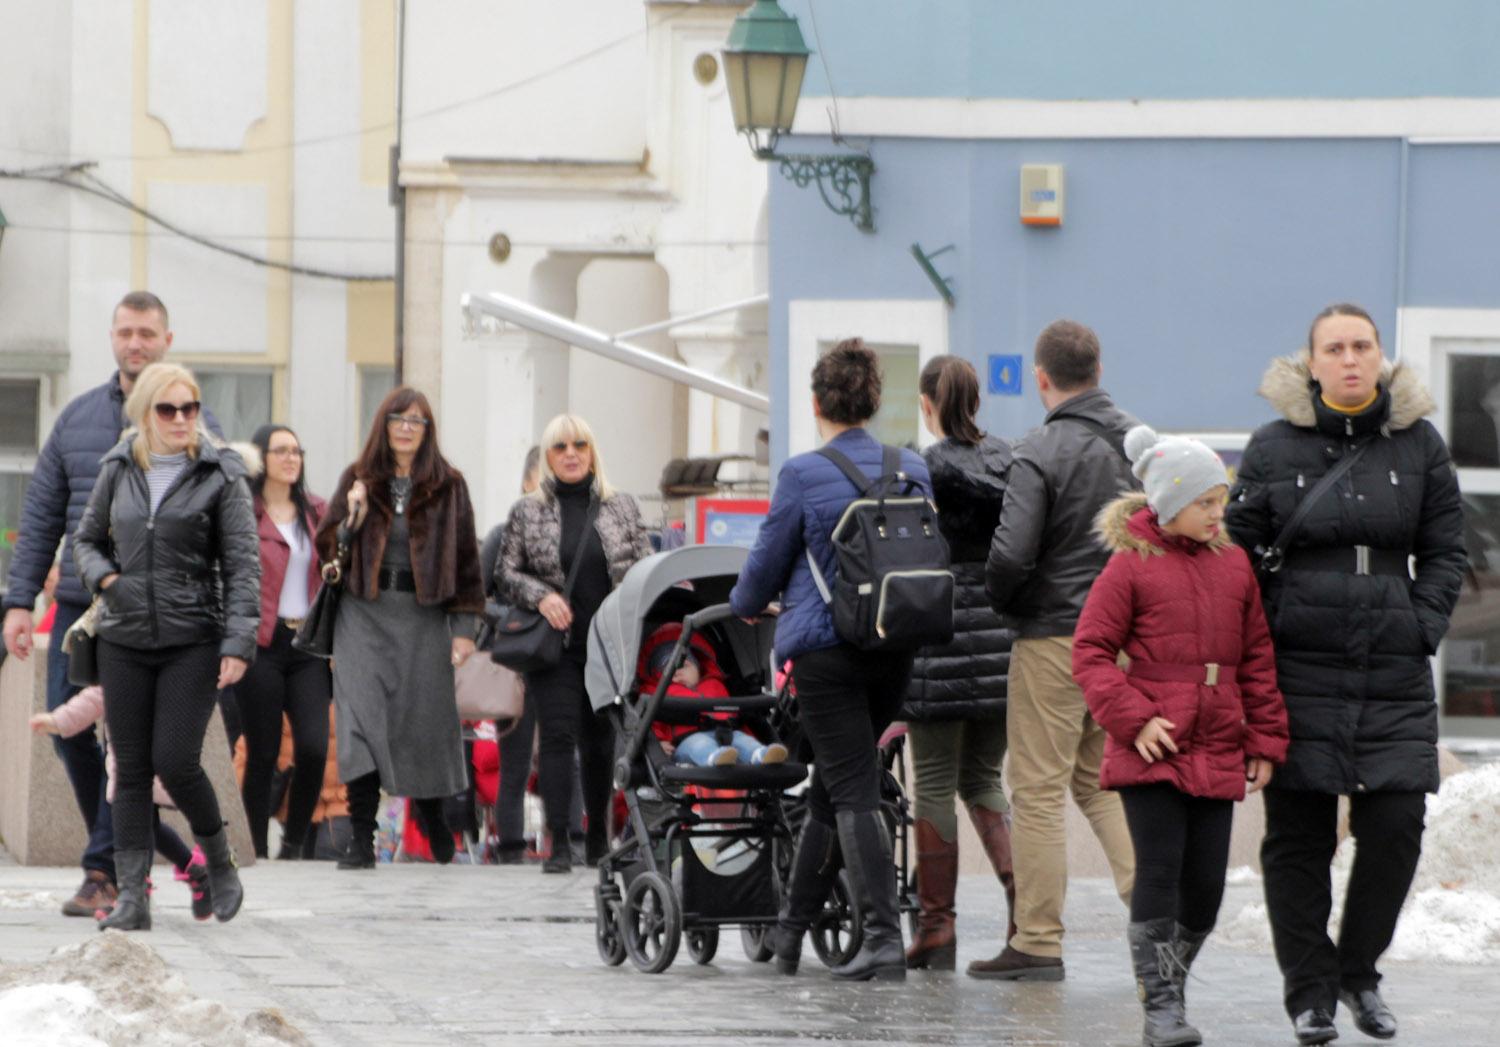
(113, 990)
(1453, 912)
(28, 900)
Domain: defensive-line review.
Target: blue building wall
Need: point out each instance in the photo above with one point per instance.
(1195, 260)
(1162, 49)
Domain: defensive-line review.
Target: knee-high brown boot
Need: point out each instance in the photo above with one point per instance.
(994, 834)
(934, 946)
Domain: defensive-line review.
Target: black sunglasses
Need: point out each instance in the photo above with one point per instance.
(578, 445)
(189, 410)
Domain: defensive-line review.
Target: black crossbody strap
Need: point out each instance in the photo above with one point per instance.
(588, 525)
(1271, 559)
(1113, 439)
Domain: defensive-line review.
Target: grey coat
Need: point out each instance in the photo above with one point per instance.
(530, 565)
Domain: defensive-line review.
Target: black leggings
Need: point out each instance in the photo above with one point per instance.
(158, 707)
(168, 844)
(845, 700)
(1181, 852)
(283, 680)
(568, 725)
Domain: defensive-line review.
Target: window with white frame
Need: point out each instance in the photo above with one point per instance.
(1457, 351)
(1467, 381)
(905, 333)
(375, 381)
(20, 439)
(239, 398)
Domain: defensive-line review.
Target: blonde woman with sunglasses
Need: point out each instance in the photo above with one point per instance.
(548, 529)
(168, 546)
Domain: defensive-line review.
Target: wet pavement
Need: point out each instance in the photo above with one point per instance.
(414, 954)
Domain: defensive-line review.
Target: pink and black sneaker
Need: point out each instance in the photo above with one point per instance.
(196, 877)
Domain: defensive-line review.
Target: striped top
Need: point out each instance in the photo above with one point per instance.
(164, 469)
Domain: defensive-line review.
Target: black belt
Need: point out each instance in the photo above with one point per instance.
(1351, 559)
(401, 581)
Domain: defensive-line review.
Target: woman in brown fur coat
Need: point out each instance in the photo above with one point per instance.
(411, 606)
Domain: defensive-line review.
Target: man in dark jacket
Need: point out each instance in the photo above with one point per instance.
(59, 489)
(1042, 561)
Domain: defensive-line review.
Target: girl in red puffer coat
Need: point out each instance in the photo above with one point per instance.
(1195, 715)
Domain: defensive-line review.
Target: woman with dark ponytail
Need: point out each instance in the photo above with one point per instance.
(955, 703)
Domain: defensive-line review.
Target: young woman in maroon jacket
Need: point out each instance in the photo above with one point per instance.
(1194, 717)
(283, 680)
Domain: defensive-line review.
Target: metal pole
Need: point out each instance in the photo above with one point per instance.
(703, 314)
(398, 196)
(524, 314)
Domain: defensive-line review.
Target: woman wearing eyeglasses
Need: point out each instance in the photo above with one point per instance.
(284, 681)
(548, 530)
(167, 545)
(411, 605)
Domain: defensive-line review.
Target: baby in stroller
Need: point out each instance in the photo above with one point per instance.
(699, 676)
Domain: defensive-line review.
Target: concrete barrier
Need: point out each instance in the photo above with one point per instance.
(39, 819)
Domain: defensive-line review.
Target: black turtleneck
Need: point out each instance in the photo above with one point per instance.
(592, 584)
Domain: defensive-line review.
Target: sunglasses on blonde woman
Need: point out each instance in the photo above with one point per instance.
(578, 445)
(189, 410)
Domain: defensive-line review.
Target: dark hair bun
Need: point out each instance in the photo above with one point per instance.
(846, 383)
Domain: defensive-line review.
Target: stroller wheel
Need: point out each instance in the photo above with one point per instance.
(607, 935)
(757, 943)
(840, 930)
(651, 923)
(702, 944)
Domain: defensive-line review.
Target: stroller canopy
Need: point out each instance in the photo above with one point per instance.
(652, 592)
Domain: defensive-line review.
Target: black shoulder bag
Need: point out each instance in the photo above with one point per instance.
(1269, 560)
(315, 634)
(523, 640)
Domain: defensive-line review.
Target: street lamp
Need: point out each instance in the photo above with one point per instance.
(765, 58)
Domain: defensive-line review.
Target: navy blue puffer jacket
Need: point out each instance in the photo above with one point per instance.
(60, 485)
(811, 494)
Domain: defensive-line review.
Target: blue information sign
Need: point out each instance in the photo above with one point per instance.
(1005, 375)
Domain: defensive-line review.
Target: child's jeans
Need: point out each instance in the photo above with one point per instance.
(700, 747)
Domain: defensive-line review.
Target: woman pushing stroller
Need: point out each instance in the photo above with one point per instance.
(845, 696)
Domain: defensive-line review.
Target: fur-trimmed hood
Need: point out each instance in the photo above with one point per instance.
(1287, 385)
(1128, 524)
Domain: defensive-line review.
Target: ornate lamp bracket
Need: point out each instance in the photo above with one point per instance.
(843, 182)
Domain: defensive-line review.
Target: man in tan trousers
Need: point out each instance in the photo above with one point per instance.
(1042, 562)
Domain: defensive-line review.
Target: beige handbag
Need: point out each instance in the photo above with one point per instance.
(487, 690)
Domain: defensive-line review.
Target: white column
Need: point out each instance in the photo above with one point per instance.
(526, 380)
(717, 426)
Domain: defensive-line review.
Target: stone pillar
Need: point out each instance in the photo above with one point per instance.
(527, 380)
(39, 819)
(717, 426)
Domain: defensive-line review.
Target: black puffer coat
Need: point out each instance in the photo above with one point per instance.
(965, 679)
(1352, 649)
(188, 575)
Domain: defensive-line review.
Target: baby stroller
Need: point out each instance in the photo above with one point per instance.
(705, 847)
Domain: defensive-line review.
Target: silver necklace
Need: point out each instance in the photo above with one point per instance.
(400, 490)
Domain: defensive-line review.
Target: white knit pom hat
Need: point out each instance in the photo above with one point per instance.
(1175, 470)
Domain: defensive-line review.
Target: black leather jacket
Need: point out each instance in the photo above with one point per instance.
(1045, 555)
(188, 575)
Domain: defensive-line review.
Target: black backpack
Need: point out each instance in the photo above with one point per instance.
(894, 589)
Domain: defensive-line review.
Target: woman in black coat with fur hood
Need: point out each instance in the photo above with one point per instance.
(955, 704)
(1357, 606)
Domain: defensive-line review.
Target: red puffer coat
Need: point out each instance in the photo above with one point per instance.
(1174, 605)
